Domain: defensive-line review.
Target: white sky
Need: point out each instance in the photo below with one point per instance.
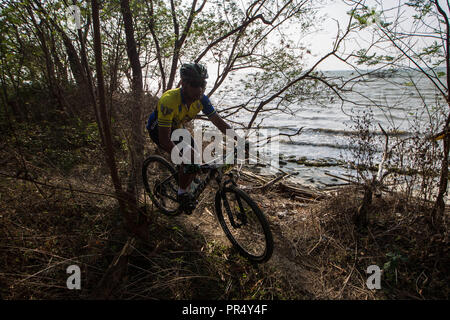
(321, 42)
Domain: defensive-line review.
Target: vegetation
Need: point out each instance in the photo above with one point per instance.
(73, 104)
(414, 36)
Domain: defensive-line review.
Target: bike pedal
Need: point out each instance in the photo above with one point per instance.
(187, 208)
(192, 206)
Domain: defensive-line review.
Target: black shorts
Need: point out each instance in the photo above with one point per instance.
(154, 135)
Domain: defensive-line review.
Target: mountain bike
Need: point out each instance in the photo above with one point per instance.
(239, 216)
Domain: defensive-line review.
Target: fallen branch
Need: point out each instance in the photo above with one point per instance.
(115, 272)
(298, 190)
(343, 179)
(273, 181)
(35, 182)
(304, 199)
(254, 176)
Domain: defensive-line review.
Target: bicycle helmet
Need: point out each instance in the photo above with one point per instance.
(193, 71)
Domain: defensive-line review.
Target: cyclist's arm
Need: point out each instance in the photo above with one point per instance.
(212, 115)
(219, 123)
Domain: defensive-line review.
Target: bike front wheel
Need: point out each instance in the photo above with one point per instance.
(161, 183)
(244, 224)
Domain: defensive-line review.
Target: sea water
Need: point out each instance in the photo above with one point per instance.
(328, 129)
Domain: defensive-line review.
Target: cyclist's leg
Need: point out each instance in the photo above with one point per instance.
(185, 179)
(185, 197)
(154, 136)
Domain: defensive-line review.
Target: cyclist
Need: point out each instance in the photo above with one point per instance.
(177, 107)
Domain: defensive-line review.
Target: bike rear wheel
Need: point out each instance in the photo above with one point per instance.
(244, 224)
(161, 183)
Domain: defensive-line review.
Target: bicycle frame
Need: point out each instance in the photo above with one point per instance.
(234, 207)
(216, 172)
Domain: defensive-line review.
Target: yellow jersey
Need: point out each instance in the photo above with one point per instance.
(172, 110)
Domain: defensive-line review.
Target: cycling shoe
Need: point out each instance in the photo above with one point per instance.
(187, 202)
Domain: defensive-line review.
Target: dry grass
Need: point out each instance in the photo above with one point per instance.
(319, 254)
(41, 237)
(333, 254)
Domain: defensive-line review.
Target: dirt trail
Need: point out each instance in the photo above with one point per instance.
(283, 214)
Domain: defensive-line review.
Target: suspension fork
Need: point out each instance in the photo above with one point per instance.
(239, 215)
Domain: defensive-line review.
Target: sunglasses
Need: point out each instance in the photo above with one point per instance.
(197, 83)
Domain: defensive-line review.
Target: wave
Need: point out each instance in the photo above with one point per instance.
(316, 144)
(281, 128)
(329, 131)
(323, 145)
(342, 132)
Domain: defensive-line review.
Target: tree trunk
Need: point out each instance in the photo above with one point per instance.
(74, 62)
(137, 142)
(54, 87)
(126, 203)
(361, 218)
(439, 206)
